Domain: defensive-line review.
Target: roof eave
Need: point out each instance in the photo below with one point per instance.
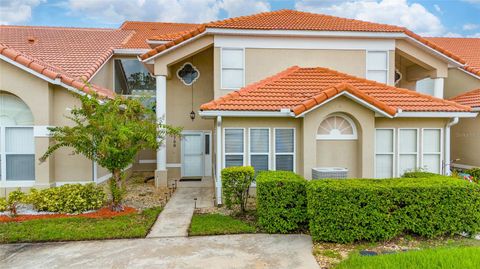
(243, 113)
(431, 114)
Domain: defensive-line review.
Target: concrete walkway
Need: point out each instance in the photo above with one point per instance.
(175, 218)
(258, 251)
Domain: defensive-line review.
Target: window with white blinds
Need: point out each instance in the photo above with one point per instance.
(384, 153)
(234, 147)
(432, 150)
(232, 73)
(285, 149)
(407, 150)
(377, 66)
(17, 153)
(259, 148)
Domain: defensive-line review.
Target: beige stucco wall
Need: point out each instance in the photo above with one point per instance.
(37, 94)
(459, 82)
(262, 63)
(68, 167)
(354, 155)
(48, 104)
(179, 106)
(104, 76)
(466, 142)
(422, 58)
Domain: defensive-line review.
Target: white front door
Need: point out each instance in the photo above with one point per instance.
(193, 154)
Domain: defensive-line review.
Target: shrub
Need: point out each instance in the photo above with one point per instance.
(3, 204)
(281, 201)
(475, 173)
(235, 184)
(419, 174)
(367, 209)
(69, 198)
(14, 198)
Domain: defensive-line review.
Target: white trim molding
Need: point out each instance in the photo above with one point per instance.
(354, 98)
(233, 113)
(408, 114)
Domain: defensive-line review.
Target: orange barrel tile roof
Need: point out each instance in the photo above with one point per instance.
(466, 48)
(300, 89)
(143, 31)
(79, 52)
(52, 72)
(297, 20)
(471, 98)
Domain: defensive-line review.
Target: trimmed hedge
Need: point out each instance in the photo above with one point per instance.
(368, 209)
(281, 201)
(68, 198)
(236, 181)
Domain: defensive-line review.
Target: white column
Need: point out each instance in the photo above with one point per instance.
(218, 156)
(438, 87)
(161, 110)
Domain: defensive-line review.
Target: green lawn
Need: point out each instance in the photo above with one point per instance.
(213, 224)
(438, 258)
(79, 228)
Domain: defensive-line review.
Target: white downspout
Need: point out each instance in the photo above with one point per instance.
(218, 161)
(94, 172)
(448, 160)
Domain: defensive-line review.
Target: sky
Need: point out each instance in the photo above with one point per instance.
(424, 17)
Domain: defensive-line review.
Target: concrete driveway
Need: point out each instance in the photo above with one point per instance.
(227, 251)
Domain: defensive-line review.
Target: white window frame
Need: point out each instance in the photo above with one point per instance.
(244, 153)
(432, 153)
(387, 65)
(417, 161)
(294, 153)
(230, 68)
(353, 136)
(3, 158)
(250, 154)
(393, 153)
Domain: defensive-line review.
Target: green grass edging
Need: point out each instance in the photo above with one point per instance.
(438, 258)
(217, 224)
(135, 225)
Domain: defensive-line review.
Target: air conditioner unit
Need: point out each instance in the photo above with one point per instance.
(329, 172)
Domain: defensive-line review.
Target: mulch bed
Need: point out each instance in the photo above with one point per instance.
(99, 214)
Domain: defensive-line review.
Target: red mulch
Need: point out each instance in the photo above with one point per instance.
(99, 214)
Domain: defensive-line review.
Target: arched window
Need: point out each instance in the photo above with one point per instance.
(13, 111)
(17, 153)
(337, 127)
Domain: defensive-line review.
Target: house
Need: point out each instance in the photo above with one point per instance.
(281, 90)
(462, 86)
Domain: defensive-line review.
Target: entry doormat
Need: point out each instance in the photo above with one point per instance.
(190, 179)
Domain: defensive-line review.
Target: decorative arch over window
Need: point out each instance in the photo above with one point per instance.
(337, 127)
(13, 111)
(188, 73)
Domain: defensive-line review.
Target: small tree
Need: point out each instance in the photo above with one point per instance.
(110, 132)
(236, 182)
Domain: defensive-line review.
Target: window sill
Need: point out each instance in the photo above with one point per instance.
(17, 184)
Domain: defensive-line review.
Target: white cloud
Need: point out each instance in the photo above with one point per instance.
(438, 9)
(470, 26)
(398, 12)
(236, 8)
(476, 35)
(17, 11)
(116, 11)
